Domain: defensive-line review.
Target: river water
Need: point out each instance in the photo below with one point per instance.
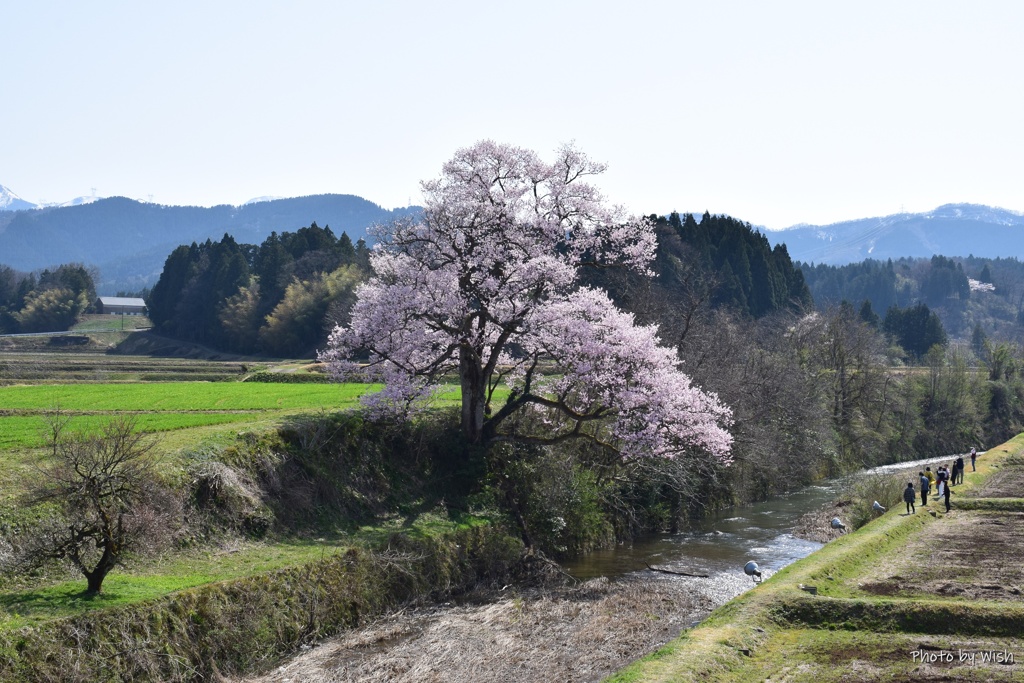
(722, 544)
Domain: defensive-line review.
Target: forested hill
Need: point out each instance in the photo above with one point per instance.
(718, 262)
(129, 240)
(749, 276)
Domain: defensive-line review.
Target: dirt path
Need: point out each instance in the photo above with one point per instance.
(579, 633)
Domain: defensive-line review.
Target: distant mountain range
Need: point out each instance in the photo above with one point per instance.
(950, 230)
(130, 240)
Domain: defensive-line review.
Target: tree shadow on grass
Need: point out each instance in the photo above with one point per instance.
(56, 600)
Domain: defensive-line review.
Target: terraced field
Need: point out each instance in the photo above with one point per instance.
(23, 367)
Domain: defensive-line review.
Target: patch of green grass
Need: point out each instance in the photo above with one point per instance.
(28, 431)
(168, 396)
(188, 570)
(184, 396)
(113, 323)
(822, 656)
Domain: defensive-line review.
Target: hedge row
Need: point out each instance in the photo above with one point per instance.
(244, 625)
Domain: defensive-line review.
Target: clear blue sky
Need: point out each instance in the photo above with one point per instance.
(774, 112)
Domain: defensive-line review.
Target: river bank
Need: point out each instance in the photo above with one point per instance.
(933, 596)
(571, 633)
(584, 632)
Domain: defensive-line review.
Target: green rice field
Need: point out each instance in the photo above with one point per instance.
(181, 396)
(167, 406)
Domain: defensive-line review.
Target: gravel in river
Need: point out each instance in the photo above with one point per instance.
(575, 633)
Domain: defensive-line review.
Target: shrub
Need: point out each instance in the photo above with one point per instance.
(887, 489)
(229, 497)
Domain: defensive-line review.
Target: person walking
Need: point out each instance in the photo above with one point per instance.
(925, 485)
(974, 456)
(946, 493)
(909, 496)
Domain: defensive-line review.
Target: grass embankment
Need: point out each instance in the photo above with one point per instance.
(244, 624)
(923, 597)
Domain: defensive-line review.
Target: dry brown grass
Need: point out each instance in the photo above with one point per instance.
(817, 525)
(969, 555)
(1008, 482)
(563, 634)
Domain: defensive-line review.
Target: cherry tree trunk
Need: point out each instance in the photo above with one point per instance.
(474, 395)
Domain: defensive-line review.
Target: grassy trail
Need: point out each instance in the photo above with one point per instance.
(924, 597)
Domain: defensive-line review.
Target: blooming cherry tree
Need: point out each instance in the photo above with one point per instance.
(485, 286)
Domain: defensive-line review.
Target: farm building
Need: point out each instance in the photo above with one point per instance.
(120, 305)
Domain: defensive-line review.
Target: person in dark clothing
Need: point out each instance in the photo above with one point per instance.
(974, 456)
(945, 492)
(909, 496)
(958, 470)
(924, 488)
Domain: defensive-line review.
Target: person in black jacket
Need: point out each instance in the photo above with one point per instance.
(909, 496)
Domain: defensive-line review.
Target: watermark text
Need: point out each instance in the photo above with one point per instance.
(968, 657)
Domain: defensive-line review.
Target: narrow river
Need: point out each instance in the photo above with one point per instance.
(725, 542)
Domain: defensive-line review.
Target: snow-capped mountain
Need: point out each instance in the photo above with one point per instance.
(257, 200)
(950, 230)
(977, 212)
(77, 201)
(12, 202)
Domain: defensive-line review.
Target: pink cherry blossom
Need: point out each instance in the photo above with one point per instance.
(486, 288)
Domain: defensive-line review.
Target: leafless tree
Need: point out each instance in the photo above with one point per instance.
(107, 498)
